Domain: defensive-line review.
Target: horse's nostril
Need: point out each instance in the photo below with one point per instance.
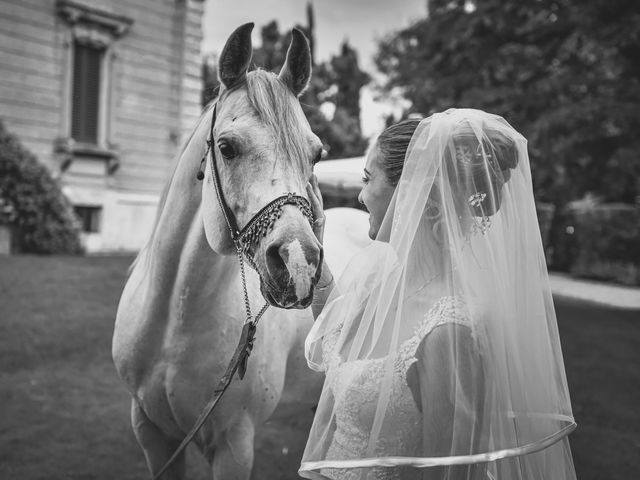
(275, 262)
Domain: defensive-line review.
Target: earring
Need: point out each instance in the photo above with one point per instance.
(482, 224)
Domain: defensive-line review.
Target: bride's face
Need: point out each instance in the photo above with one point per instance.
(376, 192)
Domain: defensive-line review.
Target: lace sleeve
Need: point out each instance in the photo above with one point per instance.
(320, 344)
(448, 310)
(330, 357)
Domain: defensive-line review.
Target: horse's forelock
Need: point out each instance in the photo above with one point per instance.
(275, 105)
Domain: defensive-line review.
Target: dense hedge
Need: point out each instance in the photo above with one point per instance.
(43, 218)
(600, 242)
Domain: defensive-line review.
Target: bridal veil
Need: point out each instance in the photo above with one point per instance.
(440, 342)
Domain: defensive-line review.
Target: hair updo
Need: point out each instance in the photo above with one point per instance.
(478, 169)
(482, 166)
(393, 143)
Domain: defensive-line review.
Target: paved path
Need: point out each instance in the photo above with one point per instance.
(597, 292)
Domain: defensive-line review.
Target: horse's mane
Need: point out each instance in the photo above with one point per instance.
(167, 186)
(274, 105)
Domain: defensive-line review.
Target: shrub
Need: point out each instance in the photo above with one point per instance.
(43, 218)
(601, 242)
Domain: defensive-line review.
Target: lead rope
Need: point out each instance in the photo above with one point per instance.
(253, 322)
(245, 344)
(238, 363)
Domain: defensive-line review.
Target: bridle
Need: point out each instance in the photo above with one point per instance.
(262, 222)
(243, 239)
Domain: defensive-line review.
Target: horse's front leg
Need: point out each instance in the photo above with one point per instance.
(233, 457)
(157, 447)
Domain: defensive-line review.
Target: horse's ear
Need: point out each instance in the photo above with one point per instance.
(296, 71)
(236, 56)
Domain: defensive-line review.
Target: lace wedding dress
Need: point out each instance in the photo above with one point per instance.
(355, 386)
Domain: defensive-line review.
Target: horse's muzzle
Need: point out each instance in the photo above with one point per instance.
(293, 269)
(286, 301)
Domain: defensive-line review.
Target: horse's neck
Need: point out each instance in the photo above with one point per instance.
(178, 285)
(178, 249)
(178, 255)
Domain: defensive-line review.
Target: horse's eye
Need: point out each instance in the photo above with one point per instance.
(227, 150)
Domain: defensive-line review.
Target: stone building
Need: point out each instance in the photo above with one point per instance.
(103, 93)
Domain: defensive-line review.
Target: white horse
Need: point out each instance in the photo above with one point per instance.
(182, 309)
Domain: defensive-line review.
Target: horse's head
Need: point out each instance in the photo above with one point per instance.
(263, 149)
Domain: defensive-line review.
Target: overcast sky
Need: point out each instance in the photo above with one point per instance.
(362, 22)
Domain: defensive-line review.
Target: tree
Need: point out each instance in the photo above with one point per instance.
(272, 52)
(210, 83)
(349, 80)
(39, 210)
(339, 82)
(563, 72)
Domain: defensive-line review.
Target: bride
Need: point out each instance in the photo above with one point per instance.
(439, 342)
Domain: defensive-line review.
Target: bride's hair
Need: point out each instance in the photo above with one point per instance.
(393, 143)
(481, 167)
(469, 168)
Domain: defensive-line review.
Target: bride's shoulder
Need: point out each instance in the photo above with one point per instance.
(447, 310)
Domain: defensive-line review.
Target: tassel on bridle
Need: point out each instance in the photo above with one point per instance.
(200, 174)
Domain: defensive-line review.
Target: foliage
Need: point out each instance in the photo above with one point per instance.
(545, 213)
(7, 211)
(337, 82)
(601, 241)
(563, 72)
(348, 79)
(41, 213)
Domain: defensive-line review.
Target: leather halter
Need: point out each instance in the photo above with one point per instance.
(262, 222)
(258, 226)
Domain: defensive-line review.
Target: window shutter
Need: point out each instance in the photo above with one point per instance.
(86, 93)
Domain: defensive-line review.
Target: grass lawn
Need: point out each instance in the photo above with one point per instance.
(65, 413)
(601, 348)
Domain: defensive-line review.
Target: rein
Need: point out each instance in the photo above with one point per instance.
(257, 227)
